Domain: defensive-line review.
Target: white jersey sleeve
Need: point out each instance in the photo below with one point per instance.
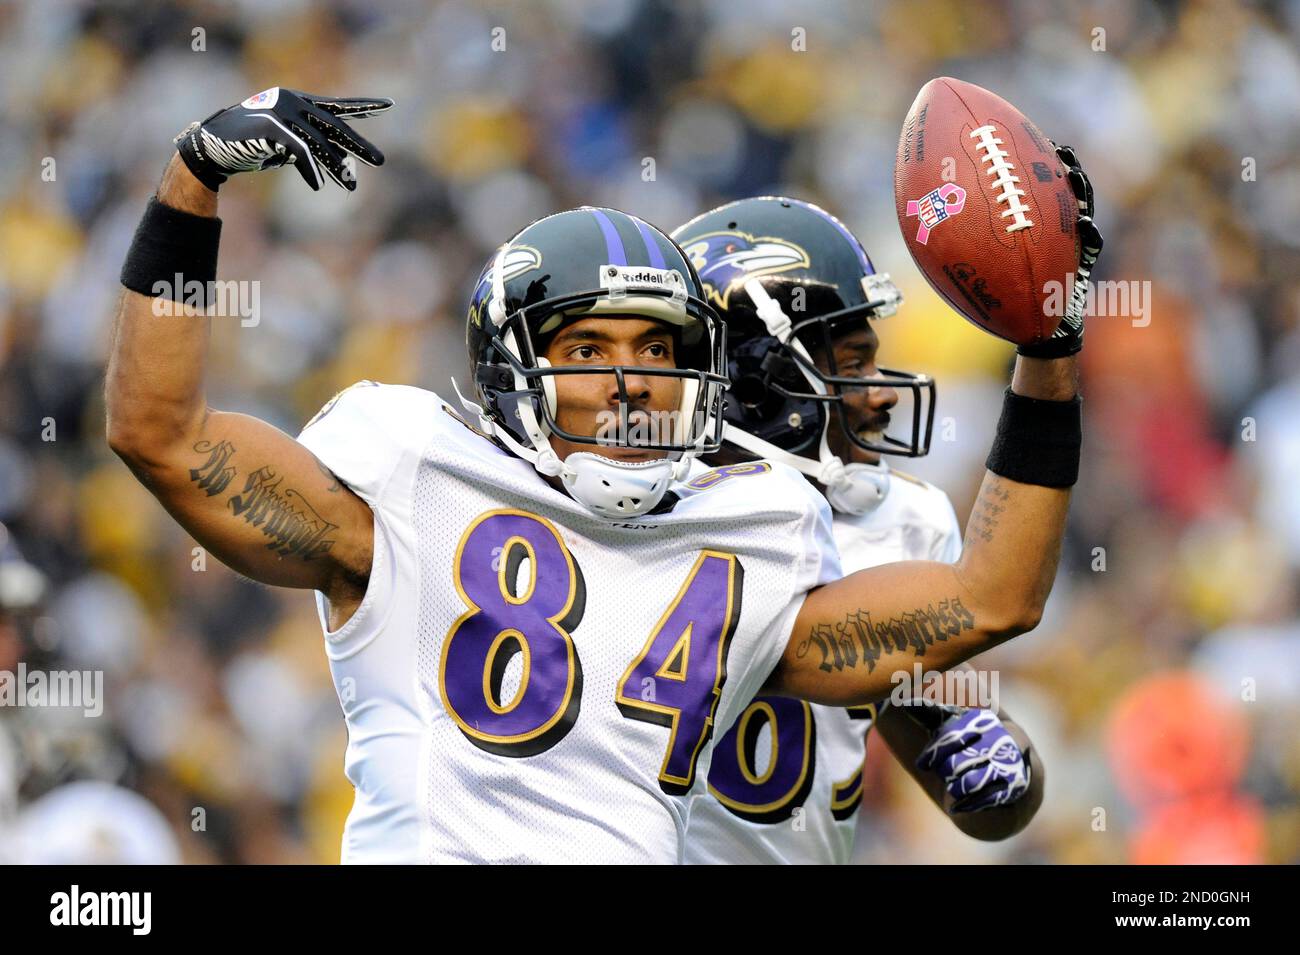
(370, 435)
(365, 432)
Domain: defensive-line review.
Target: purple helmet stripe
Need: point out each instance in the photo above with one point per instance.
(651, 246)
(849, 236)
(613, 243)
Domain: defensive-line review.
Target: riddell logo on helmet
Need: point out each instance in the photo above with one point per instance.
(619, 279)
(640, 276)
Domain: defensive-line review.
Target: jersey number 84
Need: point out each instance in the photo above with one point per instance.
(675, 681)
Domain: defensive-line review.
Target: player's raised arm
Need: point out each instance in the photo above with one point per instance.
(248, 492)
(852, 635)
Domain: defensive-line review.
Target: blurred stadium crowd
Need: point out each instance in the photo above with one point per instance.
(1163, 687)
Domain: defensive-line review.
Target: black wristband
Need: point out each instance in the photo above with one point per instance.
(173, 255)
(1038, 441)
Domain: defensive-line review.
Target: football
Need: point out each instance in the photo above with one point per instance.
(986, 210)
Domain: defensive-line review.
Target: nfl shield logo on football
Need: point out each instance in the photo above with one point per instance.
(934, 207)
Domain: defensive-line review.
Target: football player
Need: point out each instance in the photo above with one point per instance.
(801, 299)
(534, 624)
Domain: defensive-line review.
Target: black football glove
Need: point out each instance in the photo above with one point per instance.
(279, 126)
(1068, 337)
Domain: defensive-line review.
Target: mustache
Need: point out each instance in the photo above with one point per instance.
(876, 422)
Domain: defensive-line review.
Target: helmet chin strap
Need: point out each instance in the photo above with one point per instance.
(850, 488)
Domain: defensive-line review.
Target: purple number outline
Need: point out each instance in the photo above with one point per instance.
(715, 477)
(846, 796)
(633, 707)
(563, 714)
(796, 793)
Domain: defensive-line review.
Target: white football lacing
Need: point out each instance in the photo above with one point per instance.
(1004, 179)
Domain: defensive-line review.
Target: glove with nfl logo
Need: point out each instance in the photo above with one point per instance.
(1068, 337)
(280, 126)
(978, 760)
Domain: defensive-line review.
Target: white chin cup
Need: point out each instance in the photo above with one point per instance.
(859, 489)
(617, 489)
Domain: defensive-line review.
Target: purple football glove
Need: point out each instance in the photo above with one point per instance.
(977, 759)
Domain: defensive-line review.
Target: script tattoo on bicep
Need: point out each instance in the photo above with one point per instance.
(285, 516)
(216, 472)
(293, 527)
(860, 640)
(990, 504)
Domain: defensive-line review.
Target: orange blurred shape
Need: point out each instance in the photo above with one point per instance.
(1171, 736)
(1209, 829)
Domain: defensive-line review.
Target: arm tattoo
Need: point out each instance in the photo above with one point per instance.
(292, 524)
(335, 484)
(987, 510)
(215, 473)
(860, 639)
(283, 515)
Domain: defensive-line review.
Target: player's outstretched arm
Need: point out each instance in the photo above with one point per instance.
(853, 635)
(249, 493)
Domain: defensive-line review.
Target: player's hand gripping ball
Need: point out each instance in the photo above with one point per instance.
(978, 760)
(997, 218)
(277, 127)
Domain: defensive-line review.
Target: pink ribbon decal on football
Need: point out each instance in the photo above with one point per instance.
(934, 207)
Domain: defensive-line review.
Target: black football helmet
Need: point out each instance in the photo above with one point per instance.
(582, 263)
(787, 277)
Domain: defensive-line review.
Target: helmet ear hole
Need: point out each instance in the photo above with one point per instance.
(749, 390)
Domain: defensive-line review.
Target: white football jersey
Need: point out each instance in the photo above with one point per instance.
(786, 781)
(525, 681)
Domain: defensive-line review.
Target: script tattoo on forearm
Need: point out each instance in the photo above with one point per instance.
(293, 527)
(990, 504)
(858, 639)
(285, 516)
